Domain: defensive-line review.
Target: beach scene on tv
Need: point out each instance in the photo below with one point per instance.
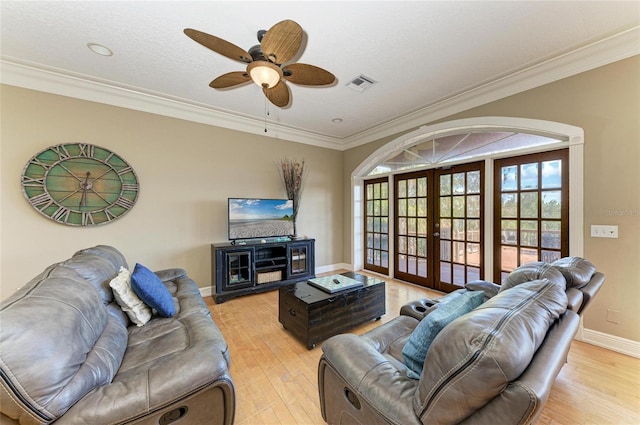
(260, 218)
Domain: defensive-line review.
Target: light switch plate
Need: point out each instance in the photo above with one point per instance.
(602, 231)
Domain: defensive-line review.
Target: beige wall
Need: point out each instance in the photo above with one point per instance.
(186, 172)
(605, 102)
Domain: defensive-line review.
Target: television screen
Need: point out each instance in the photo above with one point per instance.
(251, 218)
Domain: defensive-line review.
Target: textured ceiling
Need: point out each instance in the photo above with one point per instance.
(424, 56)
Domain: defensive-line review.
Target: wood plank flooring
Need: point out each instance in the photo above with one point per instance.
(276, 376)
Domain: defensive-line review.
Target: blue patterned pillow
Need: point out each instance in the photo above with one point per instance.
(152, 291)
(449, 308)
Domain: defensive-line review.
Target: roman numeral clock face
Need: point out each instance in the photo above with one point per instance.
(80, 184)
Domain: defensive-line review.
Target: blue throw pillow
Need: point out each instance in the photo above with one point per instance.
(449, 308)
(152, 291)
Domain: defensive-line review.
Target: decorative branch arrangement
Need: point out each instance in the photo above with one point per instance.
(292, 174)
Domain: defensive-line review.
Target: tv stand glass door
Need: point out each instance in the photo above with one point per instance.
(238, 269)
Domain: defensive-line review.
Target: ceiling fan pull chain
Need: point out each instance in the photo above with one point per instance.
(266, 112)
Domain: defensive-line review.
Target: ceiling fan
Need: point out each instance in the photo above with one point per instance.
(266, 62)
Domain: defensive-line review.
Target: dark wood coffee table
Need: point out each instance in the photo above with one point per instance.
(314, 315)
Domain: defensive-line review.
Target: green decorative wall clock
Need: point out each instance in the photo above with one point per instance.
(79, 184)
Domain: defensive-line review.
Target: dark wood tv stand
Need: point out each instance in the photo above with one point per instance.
(238, 270)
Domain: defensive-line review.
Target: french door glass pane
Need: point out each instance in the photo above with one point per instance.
(445, 184)
(402, 263)
(458, 229)
(529, 204)
(445, 228)
(445, 272)
(422, 187)
(473, 182)
(551, 204)
(552, 174)
(551, 234)
(473, 206)
(473, 254)
(402, 226)
(445, 207)
(458, 206)
(402, 189)
(528, 255)
(509, 257)
(550, 256)
(473, 230)
(509, 178)
(529, 173)
(473, 273)
(529, 233)
(509, 205)
(458, 183)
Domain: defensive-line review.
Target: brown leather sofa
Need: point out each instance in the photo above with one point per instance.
(493, 365)
(70, 355)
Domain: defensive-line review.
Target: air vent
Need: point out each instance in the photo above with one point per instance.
(361, 83)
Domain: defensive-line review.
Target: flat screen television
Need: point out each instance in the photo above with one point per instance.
(254, 218)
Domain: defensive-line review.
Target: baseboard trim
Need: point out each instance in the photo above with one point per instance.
(206, 292)
(333, 267)
(610, 342)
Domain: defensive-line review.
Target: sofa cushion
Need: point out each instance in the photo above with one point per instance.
(152, 291)
(446, 311)
(127, 299)
(534, 271)
(576, 271)
(474, 358)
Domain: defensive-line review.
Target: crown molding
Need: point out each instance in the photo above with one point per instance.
(614, 48)
(51, 80)
(32, 76)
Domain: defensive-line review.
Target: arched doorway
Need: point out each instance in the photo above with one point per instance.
(450, 144)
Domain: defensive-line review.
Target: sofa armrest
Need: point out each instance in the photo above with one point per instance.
(146, 384)
(352, 357)
(590, 290)
(167, 275)
(418, 308)
(371, 377)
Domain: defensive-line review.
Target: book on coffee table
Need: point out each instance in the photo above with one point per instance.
(334, 283)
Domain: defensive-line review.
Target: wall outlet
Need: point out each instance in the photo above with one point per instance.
(601, 231)
(613, 316)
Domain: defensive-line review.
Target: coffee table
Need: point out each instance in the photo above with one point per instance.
(314, 315)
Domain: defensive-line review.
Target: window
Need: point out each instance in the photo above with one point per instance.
(531, 210)
(376, 233)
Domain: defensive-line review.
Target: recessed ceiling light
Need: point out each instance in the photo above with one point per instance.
(100, 49)
(337, 120)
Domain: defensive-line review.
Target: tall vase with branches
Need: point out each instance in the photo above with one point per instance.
(292, 177)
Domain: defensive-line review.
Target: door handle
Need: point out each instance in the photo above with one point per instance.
(436, 234)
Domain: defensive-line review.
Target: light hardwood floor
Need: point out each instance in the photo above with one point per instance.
(275, 376)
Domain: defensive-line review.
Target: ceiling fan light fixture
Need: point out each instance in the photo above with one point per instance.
(265, 74)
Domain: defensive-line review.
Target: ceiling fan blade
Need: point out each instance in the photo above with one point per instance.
(282, 41)
(308, 75)
(278, 95)
(230, 79)
(219, 45)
